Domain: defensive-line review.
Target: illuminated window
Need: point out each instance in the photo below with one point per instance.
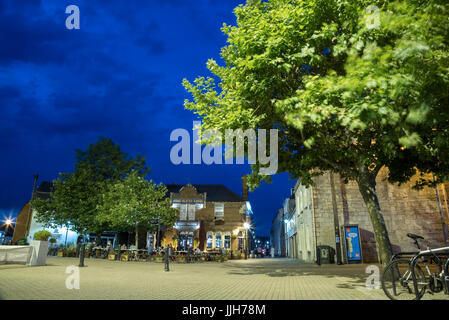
(218, 240)
(191, 212)
(209, 240)
(241, 240)
(183, 212)
(227, 240)
(219, 210)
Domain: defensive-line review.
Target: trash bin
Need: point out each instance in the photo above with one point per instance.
(326, 254)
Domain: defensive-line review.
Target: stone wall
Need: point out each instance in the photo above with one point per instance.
(405, 210)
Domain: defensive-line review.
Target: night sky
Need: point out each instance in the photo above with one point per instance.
(118, 76)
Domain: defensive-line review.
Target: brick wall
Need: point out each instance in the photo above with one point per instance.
(234, 213)
(405, 211)
(21, 220)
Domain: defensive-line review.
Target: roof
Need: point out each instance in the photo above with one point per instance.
(214, 192)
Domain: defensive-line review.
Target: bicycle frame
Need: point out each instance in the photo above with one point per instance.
(424, 253)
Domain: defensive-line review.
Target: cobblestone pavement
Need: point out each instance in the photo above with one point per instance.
(256, 279)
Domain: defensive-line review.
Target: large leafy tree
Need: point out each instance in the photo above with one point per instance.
(135, 202)
(346, 96)
(76, 196)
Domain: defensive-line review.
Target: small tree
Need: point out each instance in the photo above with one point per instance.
(76, 196)
(42, 235)
(135, 202)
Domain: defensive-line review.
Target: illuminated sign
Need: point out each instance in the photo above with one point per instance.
(188, 201)
(187, 225)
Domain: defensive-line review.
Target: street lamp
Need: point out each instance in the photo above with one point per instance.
(247, 226)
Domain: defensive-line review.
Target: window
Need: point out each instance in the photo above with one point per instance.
(183, 212)
(209, 240)
(227, 240)
(191, 212)
(219, 210)
(218, 240)
(241, 241)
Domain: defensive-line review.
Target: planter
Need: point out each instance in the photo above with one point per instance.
(111, 256)
(158, 259)
(124, 257)
(60, 253)
(39, 253)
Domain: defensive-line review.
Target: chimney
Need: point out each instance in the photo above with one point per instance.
(244, 189)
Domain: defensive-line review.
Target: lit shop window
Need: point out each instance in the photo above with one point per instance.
(218, 240)
(219, 211)
(183, 212)
(227, 241)
(191, 212)
(209, 240)
(241, 240)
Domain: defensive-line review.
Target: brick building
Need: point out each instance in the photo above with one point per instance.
(27, 224)
(405, 210)
(211, 217)
(277, 234)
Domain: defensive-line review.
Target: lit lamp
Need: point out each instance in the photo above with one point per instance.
(7, 223)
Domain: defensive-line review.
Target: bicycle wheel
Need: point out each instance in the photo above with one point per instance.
(397, 281)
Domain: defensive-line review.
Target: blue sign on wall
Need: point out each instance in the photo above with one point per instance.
(353, 250)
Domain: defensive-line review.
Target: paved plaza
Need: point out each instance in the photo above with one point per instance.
(232, 280)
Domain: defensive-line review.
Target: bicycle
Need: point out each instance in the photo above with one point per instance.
(404, 279)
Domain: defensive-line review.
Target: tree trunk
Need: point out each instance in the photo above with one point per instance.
(98, 238)
(367, 186)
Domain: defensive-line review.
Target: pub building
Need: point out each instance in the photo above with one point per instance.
(211, 218)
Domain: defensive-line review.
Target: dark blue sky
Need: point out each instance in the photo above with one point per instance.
(119, 76)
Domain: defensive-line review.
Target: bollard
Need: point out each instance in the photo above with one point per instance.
(82, 255)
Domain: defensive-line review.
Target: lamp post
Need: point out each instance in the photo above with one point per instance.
(246, 225)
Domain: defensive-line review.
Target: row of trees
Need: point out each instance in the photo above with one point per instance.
(106, 191)
(345, 96)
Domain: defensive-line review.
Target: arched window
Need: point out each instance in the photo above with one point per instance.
(227, 240)
(218, 240)
(241, 241)
(209, 240)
